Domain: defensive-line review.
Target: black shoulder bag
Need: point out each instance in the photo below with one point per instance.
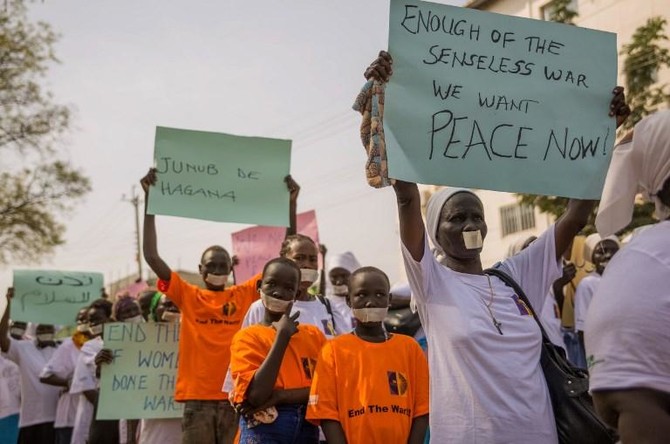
(576, 419)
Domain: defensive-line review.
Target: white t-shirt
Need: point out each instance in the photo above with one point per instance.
(83, 380)
(62, 365)
(10, 388)
(342, 311)
(486, 387)
(160, 431)
(551, 320)
(585, 290)
(627, 333)
(38, 401)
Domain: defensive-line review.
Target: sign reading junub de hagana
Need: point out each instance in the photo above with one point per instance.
(490, 101)
(221, 177)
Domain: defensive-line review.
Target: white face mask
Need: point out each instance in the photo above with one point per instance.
(218, 280)
(81, 328)
(45, 337)
(308, 275)
(17, 331)
(170, 316)
(95, 330)
(273, 304)
(473, 239)
(340, 290)
(135, 319)
(366, 315)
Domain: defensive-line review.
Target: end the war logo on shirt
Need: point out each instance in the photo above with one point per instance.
(397, 383)
(308, 365)
(521, 305)
(229, 308)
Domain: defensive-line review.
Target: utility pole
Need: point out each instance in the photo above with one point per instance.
(135, 201)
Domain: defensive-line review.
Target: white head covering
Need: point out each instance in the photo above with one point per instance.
(641, 166)
(345, 260)
(592, 241)
(433, 210)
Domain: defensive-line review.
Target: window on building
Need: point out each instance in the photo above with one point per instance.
(515, 218)
(549, 8)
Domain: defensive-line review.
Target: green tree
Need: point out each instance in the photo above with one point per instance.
(36, 187)
(560, 11)
(644, 57)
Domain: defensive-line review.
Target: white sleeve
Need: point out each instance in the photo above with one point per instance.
(536, 268)
(254, 315)
(84, 378)
(14, 353)
(583, 296)
(58, 364)
(419, 274)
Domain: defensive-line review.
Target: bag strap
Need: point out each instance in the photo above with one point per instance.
(510, 282)
(329, 309)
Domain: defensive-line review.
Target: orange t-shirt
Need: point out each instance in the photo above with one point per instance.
(374, 390)
(251, 346)
(209, 321)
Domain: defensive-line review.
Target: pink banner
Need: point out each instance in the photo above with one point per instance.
(257, 245)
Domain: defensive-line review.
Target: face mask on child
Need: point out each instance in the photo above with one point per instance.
(274, 304)
(45, 337)
(218, 280)
(308, 275)
(15, 331)
(340, 290)
(365, 315)
(170, 316)
(95, 330)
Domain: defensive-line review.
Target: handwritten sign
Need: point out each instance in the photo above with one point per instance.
(221, 177)
(140, 382)
(256, 245)
(53, 297)
(490, 101)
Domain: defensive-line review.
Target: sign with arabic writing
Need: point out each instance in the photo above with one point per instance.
(53, 297)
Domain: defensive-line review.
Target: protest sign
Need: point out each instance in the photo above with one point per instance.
(53, 297)
(490, 101)
(140, 382)
(256, 245)
(220, 177)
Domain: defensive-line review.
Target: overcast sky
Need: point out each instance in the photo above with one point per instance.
(286, 69)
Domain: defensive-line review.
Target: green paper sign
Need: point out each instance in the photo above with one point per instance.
(53, 297)
(484, 100)
(221, 177)
(140, 382)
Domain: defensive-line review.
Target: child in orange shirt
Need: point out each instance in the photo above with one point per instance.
(272, 364)
(370, 386)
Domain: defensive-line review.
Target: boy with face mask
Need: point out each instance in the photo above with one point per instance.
(38, 401)
(272, 364)
(210, 317)
(370, 386)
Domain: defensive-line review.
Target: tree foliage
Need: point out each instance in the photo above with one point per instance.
(644, 57)
(561, 12)
(36, 187)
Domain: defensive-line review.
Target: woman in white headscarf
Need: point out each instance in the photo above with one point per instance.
(627, 332)
(486, 383)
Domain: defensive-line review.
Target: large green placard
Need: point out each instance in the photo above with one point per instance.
(491, 101)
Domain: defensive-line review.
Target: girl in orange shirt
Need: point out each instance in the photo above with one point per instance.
(370, 386)
(272, 364)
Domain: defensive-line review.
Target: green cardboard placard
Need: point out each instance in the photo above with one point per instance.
(53, 297)
(221, 177)
(490, 101)
(140, 382)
